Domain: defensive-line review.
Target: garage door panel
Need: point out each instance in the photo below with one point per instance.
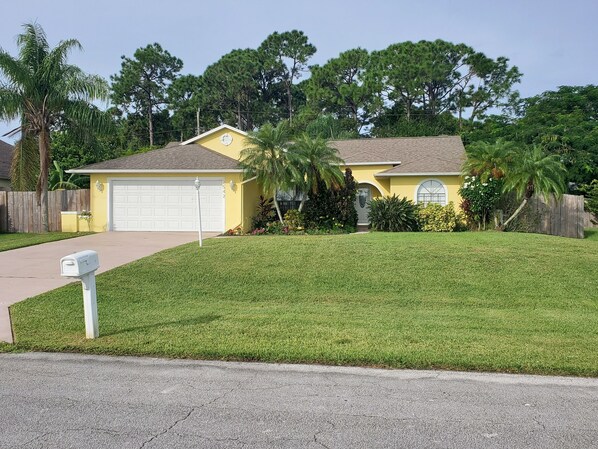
(166, 205)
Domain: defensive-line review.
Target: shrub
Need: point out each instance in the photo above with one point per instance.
(333, 208)
(234, 231)
(527, 221)
(294, 220)
(345, 199)
(265, 213)
(276, 227)
(479, 199)
(437, 218)
(393, 214)
(590, 192)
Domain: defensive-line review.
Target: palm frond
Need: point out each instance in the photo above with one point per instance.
(12, 69)
(10, 104)
(533, 171)
(33, 45)
(24, 169)
(80, 114)
(81, 86)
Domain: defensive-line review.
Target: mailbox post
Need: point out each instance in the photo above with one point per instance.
(83, 265)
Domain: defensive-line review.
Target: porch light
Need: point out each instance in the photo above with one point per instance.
(99, 186)
(232, 184)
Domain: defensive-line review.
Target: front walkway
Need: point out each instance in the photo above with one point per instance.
(29, 271)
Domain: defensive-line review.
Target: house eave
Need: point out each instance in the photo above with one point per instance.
(391, 175)
(347, 164)
(106, 170)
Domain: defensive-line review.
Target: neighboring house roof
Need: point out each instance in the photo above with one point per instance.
(174, 157)
(411, 155)
(6, 151)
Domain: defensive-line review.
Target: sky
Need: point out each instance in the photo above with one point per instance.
(552, 42)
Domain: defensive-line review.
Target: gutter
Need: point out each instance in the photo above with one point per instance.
(391, 175)
(104, 170)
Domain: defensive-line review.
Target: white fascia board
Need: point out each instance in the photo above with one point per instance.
(346, 164)
(388, 175)
(212, 131)
(85, 172)
(249, 180)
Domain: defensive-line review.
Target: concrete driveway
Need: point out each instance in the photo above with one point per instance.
(81, 401)
(27, 272)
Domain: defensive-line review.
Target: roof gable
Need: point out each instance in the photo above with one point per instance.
(215, 130)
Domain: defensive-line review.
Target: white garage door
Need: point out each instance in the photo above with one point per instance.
(166, 205)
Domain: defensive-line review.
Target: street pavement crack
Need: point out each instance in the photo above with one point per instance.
(332, 425)
(26, 443)
(172, 426)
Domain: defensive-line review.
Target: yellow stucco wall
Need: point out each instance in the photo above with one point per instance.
(99, 200)
(214, 143)
(405, 186)
(69, 221)
(251, 196)
(365, 174)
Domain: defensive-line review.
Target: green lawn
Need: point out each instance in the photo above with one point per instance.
(18, 240)
(471, 301)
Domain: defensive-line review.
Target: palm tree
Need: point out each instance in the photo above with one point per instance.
(533, 171)
(488, 159)
(266, 157)
(41, 90)
(318, 162)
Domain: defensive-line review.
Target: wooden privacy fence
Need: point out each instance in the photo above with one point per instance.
(565, 217)
(19, 211)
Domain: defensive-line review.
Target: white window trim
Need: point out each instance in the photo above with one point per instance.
(446, 194)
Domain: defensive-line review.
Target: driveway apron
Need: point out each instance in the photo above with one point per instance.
(29, 271)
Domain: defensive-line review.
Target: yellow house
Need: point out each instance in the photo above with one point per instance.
(155, 191)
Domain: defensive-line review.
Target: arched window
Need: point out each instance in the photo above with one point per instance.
(431, 191)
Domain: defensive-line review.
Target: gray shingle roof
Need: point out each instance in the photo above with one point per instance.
(442, 154)
(172, 157)
(6, 151)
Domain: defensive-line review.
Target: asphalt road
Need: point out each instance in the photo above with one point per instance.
(79, 401)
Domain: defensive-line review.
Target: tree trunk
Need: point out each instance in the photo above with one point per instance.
(517, 212)
(290, 100)
(277, 208)
(198, 132)
(150, 124)
(42, 181)
(302, 203)
(239, 115)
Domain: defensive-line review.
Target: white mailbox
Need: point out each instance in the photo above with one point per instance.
(78, 264)
(83, 265)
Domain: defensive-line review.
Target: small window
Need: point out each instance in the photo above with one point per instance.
(431, 191)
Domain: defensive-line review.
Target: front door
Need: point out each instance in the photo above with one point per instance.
(362, 204)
